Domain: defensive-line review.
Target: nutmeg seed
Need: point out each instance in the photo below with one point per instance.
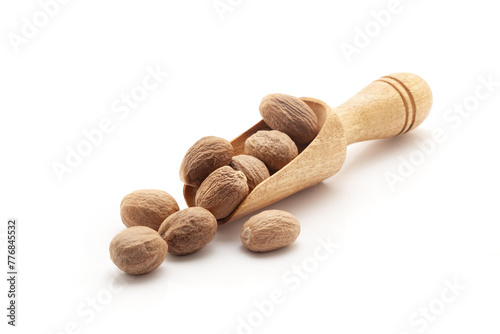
(147, 207)
(254, 169)
(188, 230)
(205, 156)
(290, 115)
(270, 230)
(222, 191)
(138, 250)
(274, 148)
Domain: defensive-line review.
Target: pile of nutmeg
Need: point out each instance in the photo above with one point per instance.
(155, 225)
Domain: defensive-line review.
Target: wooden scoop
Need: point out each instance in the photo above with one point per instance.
(388, 107)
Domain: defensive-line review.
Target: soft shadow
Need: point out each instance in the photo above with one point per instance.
(317, 195)
(271, 254)
(309, 197)
(157, 274)
(379, 150)
(204, 252)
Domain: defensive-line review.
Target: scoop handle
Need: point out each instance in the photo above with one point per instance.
(389, 106)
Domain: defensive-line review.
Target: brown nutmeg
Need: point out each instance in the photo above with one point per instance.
(138, 250)
(270, 230)
(147, 207)
(254, 169)
(290, 115)
(274, 148)
(188, 230)
(205, 156)
(222, 191)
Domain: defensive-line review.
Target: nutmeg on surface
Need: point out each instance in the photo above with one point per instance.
(270, 230)
(188, 230)
(138, 250)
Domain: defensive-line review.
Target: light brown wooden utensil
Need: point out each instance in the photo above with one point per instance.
(388, 107)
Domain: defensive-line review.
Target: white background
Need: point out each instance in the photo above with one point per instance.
(397, 247)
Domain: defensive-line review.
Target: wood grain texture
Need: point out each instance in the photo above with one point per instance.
(390, 106)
